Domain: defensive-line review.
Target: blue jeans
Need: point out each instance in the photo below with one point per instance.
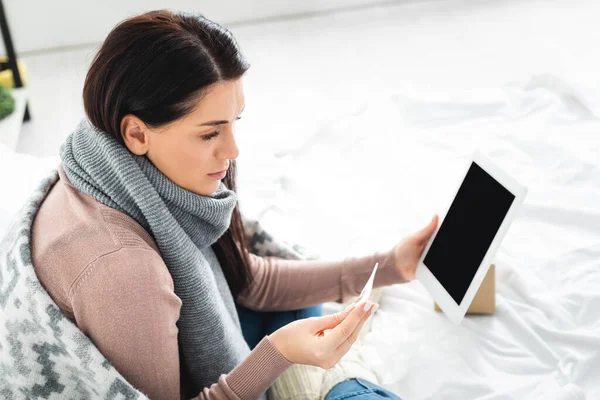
(257, 324)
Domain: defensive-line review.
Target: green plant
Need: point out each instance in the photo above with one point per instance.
(7, 103)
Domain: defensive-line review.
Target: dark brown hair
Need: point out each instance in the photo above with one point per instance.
(156, 66)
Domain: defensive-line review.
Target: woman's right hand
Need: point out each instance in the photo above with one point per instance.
(322, 341)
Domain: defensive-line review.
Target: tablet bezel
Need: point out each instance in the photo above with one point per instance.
(456, 312)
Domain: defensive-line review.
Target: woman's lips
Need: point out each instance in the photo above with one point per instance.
(218, 175)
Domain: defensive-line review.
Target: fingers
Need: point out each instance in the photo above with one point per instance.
(331, 321)
(351, 339)
(347, 327)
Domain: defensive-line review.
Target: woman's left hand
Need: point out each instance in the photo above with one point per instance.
(408, 252)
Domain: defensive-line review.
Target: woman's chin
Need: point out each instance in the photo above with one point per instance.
(208, 189)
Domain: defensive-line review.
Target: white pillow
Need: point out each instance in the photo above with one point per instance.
(20, 174)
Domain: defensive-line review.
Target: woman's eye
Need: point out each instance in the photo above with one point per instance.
(210, 136)
(238, 118)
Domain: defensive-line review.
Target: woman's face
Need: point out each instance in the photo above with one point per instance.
(190, 150)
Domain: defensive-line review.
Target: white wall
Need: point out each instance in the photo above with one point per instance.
(43, 24)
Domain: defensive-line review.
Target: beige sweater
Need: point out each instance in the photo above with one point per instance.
(106, 274)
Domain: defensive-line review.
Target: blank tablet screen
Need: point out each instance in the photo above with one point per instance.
(467, 231)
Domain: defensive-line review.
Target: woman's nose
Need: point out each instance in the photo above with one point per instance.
(228, 149)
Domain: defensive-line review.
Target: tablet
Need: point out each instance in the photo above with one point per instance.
(457, 256)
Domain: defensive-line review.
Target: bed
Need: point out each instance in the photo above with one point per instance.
(354, 157)
(544, 340)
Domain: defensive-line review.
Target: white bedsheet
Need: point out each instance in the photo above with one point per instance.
(544, 340)
(385, 179)
(360, 166)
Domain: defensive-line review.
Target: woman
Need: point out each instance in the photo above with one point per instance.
(141, 243)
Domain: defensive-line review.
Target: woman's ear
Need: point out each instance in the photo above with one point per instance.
(135, 134)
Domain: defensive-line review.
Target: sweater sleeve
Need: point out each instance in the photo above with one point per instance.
(294, 284)
(125, 302)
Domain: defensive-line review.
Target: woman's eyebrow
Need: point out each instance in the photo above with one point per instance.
(212, 123)
(219, 122)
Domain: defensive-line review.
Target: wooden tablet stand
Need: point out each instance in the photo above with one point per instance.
(484, 301)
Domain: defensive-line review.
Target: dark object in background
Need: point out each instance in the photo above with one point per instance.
(12, 55)
(7, 103)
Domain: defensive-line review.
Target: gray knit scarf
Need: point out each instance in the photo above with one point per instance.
(184, 226)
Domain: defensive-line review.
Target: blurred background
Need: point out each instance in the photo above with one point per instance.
(307, 49)
(360, 116)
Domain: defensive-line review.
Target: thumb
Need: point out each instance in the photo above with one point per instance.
(332, 320)
(425, 233)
